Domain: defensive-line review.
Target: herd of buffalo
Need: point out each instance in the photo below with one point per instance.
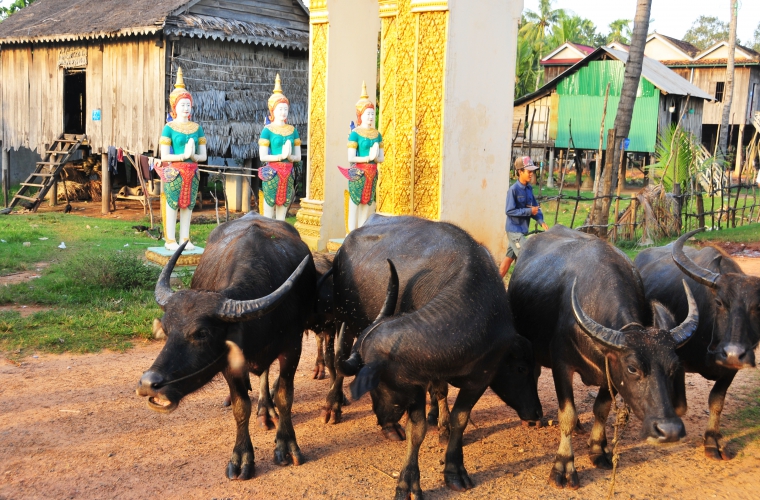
(416, 305)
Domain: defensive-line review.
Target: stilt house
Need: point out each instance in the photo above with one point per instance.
(105, 68)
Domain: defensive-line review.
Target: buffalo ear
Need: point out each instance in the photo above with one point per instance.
(663, 318)
(158, 330)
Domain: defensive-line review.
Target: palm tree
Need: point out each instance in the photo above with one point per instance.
(624, 115)
(536, 28)
(620, 31)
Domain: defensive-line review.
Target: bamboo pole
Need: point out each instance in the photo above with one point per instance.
(598, 173)
(105, 178)
(621, 182)
(561, 184)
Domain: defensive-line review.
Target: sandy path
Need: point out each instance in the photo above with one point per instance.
(72, 427)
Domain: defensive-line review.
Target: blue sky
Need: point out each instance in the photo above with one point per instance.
(671, 17)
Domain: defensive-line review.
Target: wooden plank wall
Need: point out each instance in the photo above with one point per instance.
(706, 78)
(124, 79)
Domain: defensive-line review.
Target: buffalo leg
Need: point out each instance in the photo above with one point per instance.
(285, 441)
(319, 366)
(266, 414)
(439, 410)
(454, 473)
(713, 438)
(333, 409)
(599, 452)
(563, 473)
(241, 465)
(409, 479)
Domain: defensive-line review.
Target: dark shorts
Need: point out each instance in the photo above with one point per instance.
(515, 244)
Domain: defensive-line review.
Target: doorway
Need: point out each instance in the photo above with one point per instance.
(74, 101)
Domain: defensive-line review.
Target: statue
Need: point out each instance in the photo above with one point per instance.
(183, 145)
(279, 147)
(365, 151)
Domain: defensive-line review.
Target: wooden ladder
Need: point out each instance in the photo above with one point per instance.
(47, 172)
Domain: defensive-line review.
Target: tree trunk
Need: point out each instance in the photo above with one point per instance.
(728, 95)
(625, 108)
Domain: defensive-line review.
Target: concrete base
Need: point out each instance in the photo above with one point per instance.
(161, 256)
(334, 244)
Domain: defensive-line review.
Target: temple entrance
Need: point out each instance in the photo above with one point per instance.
(74, 101)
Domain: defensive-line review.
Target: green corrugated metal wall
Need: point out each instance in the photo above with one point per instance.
(581, 98)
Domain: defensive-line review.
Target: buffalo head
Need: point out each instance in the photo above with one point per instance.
(642, 363)
(736, 309)
(201, 336)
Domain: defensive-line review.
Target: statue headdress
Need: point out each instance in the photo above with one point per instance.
(363, 104)
(178, 93)
(276, 98)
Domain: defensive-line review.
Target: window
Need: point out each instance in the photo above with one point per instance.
(719, 88)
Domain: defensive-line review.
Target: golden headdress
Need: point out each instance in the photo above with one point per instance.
(178, 93)
(276, 98)
(363, 104)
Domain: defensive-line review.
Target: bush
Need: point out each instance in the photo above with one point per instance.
(118, 271)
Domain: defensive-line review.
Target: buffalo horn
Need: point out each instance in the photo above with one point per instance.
(163, 289)
(683, 332)
(688, 266)
(243, 310)
(323, 278)
(391, 295)
(353, 363)
(605, 336)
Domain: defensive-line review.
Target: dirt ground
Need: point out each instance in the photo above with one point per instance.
(72, 427)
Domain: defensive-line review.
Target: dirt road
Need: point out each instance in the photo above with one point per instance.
(72, 427)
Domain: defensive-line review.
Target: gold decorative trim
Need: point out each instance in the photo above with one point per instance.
(317, 111)
(388, 8)
(309, 222)
(386, 185)
(165, 141)
(184, 260)
(264, 142)
(367, 133)
(201, 141)
(318, 12)
(283, 130)
(297, 143)
(353, 145)
(418, 6)
(333, 246)
(183, 127)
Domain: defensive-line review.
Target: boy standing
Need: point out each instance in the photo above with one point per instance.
(521, 207)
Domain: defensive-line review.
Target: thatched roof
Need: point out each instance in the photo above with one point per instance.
(69, 20)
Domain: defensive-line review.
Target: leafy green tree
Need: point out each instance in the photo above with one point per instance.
(756, 40)
(15, 6)
(620, 31)
(706, 31)
(536, 28)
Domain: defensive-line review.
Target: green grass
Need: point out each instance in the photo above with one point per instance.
(98, 288)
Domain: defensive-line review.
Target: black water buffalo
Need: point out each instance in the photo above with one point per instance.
(444, 319)
(729, 328)
(248, 304)
(581, 302)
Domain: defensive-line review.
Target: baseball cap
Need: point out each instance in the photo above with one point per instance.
(524, 162)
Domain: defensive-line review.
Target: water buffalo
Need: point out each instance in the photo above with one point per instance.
(581, 302)
(248, 304)
(444, 319)
(729, 328)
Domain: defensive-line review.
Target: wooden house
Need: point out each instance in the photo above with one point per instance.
(105, 68)
(573, 103)
(706, 69)
(563, 58)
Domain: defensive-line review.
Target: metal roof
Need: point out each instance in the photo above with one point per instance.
(662, 77)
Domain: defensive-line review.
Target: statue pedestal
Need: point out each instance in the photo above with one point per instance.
(161, 256)
(334, 244)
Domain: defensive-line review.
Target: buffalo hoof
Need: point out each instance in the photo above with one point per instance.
(432, 418)
(266, 422)
(457, 480)
(283, 457)
(408, 486)
(714, 447)
(601, 460)
(579, 429)
(443, 436)
(564, 475)
(331, 416)
(394, 432)
(319, 372)
(227, 401)
(237, 473)
(532, 423)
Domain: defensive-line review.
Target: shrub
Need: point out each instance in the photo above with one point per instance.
(119, 270)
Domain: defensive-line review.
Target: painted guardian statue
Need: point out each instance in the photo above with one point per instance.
(279, 148)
